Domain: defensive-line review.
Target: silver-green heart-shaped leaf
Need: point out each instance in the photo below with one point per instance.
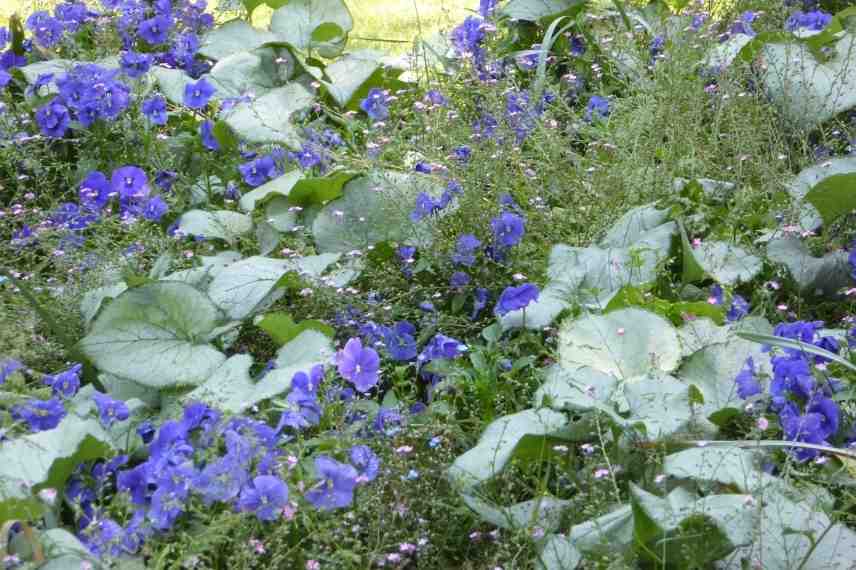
(156, 335)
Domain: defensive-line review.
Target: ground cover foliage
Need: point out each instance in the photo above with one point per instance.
(568, 286)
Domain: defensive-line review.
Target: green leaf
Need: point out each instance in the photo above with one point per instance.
(320, 190)
(834, 197)
(544, 512)
(374, 208)
(172, 83)
(815, 276)
(609, 533)
(45, 460)
(726, 263)
(92, 300)
(64, 551)
(624, 343)
(629, 254)
(249, 285)
(232, 390)
(233, 37)
(314, 25)
(155, 335)
(350, 77)
(692, 270)
(282, 328)
(496, 445)
(714, 368)
(219, 224)
(268, 119)
(663, 405)
(813, 177)
(280, 214)
(558, 553)
(691, 533)
(281, 186)
(257, 71)
(807, 91)
(541, 11)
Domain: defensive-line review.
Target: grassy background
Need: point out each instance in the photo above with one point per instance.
(374, 19)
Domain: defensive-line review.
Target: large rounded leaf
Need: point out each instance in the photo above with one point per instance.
(820, 276)
(257, 71)
(156, 335)
(624, 343)
(221, 224)
(808, 179)
(314, 25)
(497, 444)
(268, 119)
(629, 254)
(540, 10)
(231, 388)
(281, 185)
(233, 37)
(807, 91)
(726, 263)
(663, 404)
(353, 75)
(45, 459)
(240, 288)
(374, 208)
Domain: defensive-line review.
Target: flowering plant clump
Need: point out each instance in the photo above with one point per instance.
(338, 309)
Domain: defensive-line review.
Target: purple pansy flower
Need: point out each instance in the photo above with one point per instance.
(335, 486)
(514, 298)
(40, 415)
(358, 364)
(197, 95)
(266, 498)
(110, 410)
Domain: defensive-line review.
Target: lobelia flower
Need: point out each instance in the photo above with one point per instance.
(468, 35)
(135, 64)
(365, 461)
(459, 280)
(257, 172)
(739, 308)
(266, 498)
(155, 30)
(129, 182)
(508, 229)
(46, 29)
(597, 108)
(480, 299)
(197, 95)
(9, 367)
(374, 105)
(155, 209)
(358, 365)
(206, 133)
(110, 410)
(388, 421)
(40, 415)
(815, 21)
(94, 191)
(53, 119)
(64, 383)
(747, 380)
(514, 298)
(465, 249)
(400, 341)
(335, 486)
(154, 108)
(744, 24)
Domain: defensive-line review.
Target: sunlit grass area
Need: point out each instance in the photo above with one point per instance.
(378, 23)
